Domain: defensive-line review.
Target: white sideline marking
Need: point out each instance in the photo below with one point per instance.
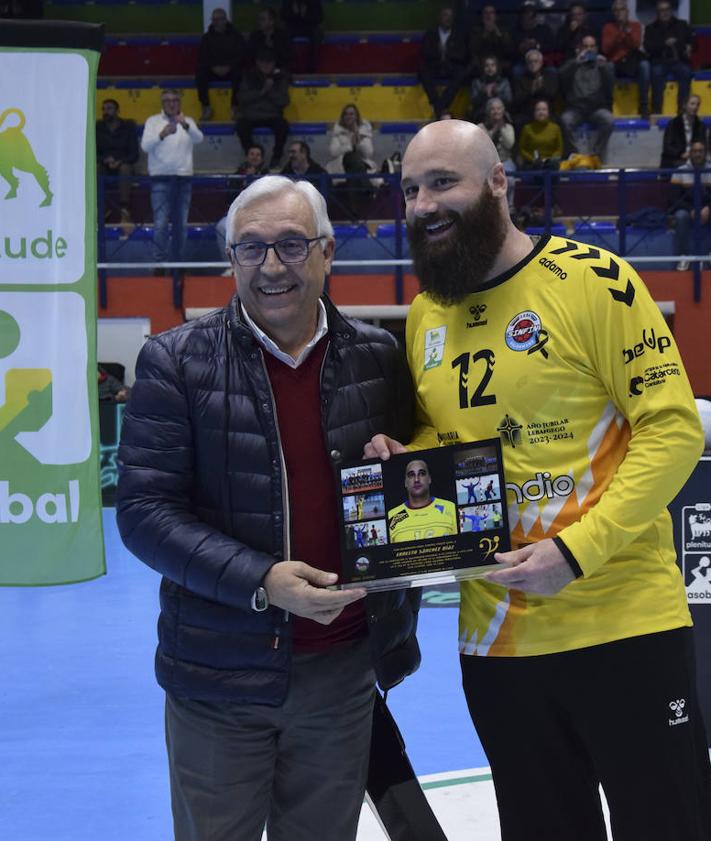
(464, 803)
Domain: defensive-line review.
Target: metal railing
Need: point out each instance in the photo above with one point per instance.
(355, 200)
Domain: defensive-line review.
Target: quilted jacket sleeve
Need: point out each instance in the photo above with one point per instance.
(153, 504)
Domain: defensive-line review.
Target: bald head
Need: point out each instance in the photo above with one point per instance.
(417, 483)
(457, 212)
(446, 161)
(449, 141)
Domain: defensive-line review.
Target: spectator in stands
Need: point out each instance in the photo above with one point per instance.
(117, 151)
(302, 19)
(498, 126)
(541, 142)
(540, 147)
(263, 95)
(300, 164)
(587, 83)
(530, 34)
(220, 58)
(574, 28)
(168, 140)
(538, 82)
(351, 143)
(111, 389)
(269, 36)
(253, 163)
(621, 42)
(444, 58)
(681, 132)
(490, 85)
(667, 42)
(684, 201)
(490, 38)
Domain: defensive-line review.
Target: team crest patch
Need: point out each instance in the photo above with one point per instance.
(525, 333)
(434, 347)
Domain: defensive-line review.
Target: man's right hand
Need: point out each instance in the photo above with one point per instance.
(300, 589)
(169, 128)
(382, 447)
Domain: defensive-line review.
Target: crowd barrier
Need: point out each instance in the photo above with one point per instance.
(628, 211)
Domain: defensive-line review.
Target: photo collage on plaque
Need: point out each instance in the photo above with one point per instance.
(363, 507)
(433, 512)
(479, 501)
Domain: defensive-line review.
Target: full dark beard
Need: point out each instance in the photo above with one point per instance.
(454, 267)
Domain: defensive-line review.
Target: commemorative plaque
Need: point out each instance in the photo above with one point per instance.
(423, 517)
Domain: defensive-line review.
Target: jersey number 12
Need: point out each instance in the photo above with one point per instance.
(478, 398)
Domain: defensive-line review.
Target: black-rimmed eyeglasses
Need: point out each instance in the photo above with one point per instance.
(291, 250)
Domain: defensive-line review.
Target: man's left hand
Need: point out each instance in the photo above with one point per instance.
(538, 568)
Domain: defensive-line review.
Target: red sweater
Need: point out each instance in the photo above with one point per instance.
(313, 498)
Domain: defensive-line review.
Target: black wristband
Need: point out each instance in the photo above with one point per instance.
(569, 557)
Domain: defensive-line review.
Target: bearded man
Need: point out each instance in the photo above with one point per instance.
(577, 655)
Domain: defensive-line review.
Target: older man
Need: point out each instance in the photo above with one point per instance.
(587, 82)
(577, 656)
(168, 140)
(229, 442)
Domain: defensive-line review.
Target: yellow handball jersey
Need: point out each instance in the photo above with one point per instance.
(437, 519)
(568, 360)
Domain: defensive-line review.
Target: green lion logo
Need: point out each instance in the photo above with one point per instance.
(16, 153)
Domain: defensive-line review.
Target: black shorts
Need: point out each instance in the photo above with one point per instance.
(623, 715)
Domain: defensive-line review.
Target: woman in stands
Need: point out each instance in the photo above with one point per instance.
(490, 85)
(681, 132)
(497, 124)
(351, 151)
(541, 142)
(351, 144)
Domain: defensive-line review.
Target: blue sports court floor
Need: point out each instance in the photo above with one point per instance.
(81, 750)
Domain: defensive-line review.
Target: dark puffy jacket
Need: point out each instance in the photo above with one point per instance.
(201, 499)
(674, 143)
(217, 48)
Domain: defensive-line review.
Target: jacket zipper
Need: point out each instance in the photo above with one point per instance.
(324, 431)
(286, 526)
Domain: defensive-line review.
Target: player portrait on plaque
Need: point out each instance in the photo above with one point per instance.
(423, 517)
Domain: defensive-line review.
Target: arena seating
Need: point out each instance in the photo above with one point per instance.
(382, 52)
(376, 70)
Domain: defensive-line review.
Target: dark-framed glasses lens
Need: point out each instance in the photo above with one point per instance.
(250, 253)
(292, 250)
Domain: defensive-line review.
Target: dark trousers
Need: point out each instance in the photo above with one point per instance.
(124, 173)
(278, 125)
(454, 79)
(301, 767)
(203, 77)
(638, 68)
(681, 71)
(624, 715)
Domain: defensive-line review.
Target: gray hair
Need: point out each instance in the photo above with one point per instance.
(274, 185)
(490, 104)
